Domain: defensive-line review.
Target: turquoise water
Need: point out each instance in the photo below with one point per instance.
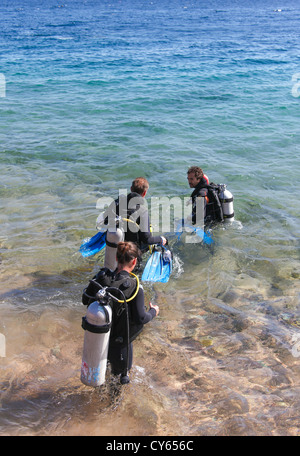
(96, 94)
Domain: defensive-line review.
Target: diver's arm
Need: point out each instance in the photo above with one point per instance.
(145, 235)
(139, 314)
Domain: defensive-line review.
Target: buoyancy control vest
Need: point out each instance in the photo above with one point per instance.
(122, 222)
(128, 286)
(125, 213)
(213, 207)
(218, 205)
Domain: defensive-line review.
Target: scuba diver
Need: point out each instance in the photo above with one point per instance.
(218, 202)
(127, 219)
(131, 316)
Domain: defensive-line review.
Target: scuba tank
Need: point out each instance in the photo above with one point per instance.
(120, 220)
(119, 234)
(113, 237)
(226, 200)
(97, 324)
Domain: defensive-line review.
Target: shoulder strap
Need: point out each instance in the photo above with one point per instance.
(213, 193)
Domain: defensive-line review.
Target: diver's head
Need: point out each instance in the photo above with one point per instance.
(194, 175)
(140, 185)
(127, 255)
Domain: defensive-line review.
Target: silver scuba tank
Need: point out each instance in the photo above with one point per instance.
(113, 237)
(226, 200)
(96, 324)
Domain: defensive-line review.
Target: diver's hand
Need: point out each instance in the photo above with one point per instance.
(154, 306)
(164, 240)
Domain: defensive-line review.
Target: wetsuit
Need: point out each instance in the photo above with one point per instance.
(199, 191)
(137, 230)
(138, 317)
(138, 211)
(212, 207)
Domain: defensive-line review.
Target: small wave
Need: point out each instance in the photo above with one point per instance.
(265, 61)
(62, 38)
(177, 267)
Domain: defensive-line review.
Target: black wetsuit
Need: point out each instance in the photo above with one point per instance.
(199, 191)
(213, 211)
(138, 211)
(133, 207)
(138, 317)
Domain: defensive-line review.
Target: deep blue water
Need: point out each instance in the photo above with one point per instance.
(95, 93)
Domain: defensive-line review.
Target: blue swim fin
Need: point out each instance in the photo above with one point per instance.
(93, 245)
(204, 236)
(158, 267)
(199, 232)
(167, 265)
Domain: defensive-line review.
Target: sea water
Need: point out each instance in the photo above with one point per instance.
(92, 95)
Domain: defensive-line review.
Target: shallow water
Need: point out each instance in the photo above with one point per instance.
(221, 359)
(97, 94)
